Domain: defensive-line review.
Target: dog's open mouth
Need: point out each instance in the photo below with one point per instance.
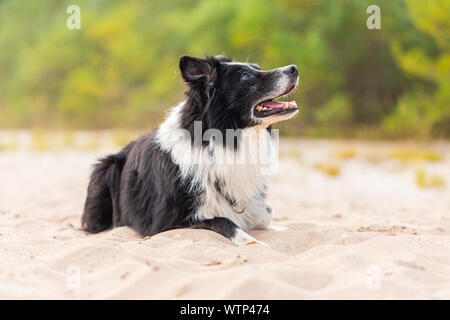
(271, 107)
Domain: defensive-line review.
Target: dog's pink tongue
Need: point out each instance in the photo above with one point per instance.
(271, 104)
(277, 104)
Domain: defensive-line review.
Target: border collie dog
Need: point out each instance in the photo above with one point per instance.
(170, 178)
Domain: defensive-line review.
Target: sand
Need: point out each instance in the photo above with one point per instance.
(366, 231)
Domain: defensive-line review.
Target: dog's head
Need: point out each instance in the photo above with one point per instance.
(233, 95)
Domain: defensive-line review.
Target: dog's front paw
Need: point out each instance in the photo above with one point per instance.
(254, 242)
(242, 238)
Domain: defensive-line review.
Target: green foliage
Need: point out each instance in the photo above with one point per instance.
(336, 112)
(419, 113)
(121, 68)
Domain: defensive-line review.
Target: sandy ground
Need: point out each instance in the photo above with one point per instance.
(369, 232)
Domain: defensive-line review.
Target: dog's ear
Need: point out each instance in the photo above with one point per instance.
(196, 70)
(223, 58)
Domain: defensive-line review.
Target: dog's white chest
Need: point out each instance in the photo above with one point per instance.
(241, 175)
(235, 187)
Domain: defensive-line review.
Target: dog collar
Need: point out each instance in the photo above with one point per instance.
(238, 208)
(235, 205)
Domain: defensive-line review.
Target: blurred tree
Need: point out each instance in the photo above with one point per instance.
(425, 112)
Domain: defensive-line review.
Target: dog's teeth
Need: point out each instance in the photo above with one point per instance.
(262, 108)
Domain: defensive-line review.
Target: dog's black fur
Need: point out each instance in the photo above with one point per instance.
(141, 186)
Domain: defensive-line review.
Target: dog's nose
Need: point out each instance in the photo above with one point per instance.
(292, 70)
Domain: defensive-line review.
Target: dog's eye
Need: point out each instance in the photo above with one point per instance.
(245, 76)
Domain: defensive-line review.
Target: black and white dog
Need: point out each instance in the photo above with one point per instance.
(169, 179)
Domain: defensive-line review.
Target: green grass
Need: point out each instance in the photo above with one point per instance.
(40, 141)
(329, 169)
(346, 154)
(425, 180)
(69, 139)
(414, 155)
